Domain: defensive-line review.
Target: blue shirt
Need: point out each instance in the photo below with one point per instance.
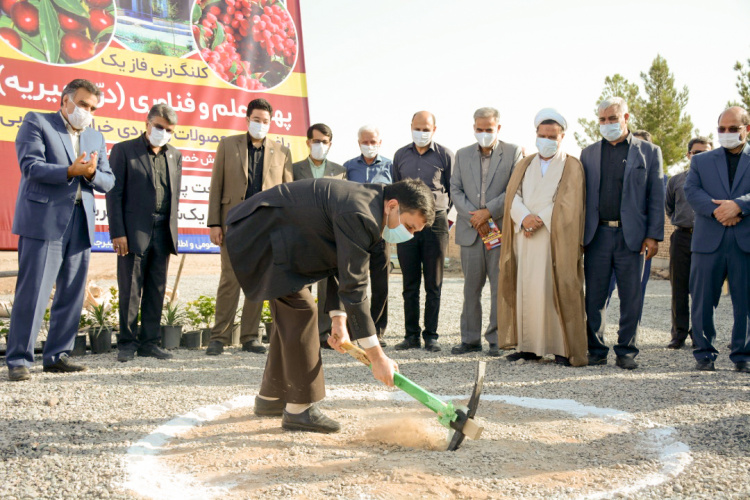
(379, 172)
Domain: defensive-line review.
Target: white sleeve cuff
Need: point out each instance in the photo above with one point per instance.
(337, 312)
(368, 342)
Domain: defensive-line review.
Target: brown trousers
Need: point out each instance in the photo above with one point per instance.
(227, 298)
(294, 369)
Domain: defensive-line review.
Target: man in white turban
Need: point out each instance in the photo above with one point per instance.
(540, 299)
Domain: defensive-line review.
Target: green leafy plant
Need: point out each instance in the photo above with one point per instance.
(173, 314)
(265, 315)
(85, 321)
(4, 328)
(45, 320)
(201, 311)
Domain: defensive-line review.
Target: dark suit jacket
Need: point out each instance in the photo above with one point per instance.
(297, 234)
(45, 195)
(301, 170)
(708, 179)
(642, 208)
(131, 203)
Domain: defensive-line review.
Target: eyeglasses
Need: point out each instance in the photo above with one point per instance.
(159, 127)
(323, 142)
(731, 130)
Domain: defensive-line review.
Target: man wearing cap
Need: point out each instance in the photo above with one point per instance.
(541, 306)
(480, 176)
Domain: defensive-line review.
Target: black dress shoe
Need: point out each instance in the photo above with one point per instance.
(676, 344)
(18, 373)
(528, 356)
(626, 363)
(463, 348)
(597, 361)
(214, 348)
(64, 365)
(254, 346)
(742, 366)
(383, 343)
(432, 346)
(561, 360)
(494, 351)
(154, 351)
(268, 407)
(407, 344)
(125, 354)
(310, 420)
(705, 365)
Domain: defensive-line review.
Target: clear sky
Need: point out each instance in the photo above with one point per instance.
(377, 62)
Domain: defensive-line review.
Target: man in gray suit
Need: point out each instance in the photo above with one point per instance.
(142, 210)
(480, 176)
(62, 161)
(624, 223)
(315, 166)
(284, 239)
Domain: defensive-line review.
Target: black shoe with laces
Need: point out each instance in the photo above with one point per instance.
(154, 351)
(463, 348)
(214, 348)
(310, 420)
(528, 356)
(407, 344)
(254, 346)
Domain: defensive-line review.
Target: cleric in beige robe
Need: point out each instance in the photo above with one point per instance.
(540, 289)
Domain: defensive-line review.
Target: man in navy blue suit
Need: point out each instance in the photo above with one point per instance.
(624, 223)
(718, 189)
(62, 161)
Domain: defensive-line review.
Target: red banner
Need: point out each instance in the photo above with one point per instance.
(206, 58)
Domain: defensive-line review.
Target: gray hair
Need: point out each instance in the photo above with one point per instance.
(162, 110)
(615, 101)
(487, 113)
(368, 128)
(79, 83)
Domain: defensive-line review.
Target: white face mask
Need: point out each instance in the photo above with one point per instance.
(611, 131)
(485, 139)
(729, 140)
(258, 130)
(159, 137)
(421, 139)
(80, 118)
(369, 151)
(547, 147)
(318, 151)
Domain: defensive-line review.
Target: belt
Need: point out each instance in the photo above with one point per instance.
(610, 223)
(160, 217)
(688, 230)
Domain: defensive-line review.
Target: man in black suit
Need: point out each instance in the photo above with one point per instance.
(142, 209)
(292, 235)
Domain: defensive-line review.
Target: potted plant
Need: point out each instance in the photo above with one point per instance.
(79, 346)
(201, 312)
(266, 319)
(173, 317)
(103, 316)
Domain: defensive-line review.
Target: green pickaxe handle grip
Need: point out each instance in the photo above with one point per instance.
(446, 412)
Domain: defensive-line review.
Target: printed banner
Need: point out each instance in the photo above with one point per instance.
(205, 58)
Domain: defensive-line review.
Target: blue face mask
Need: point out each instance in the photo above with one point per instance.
(397, 235)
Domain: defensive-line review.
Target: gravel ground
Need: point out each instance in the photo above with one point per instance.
(66, 436)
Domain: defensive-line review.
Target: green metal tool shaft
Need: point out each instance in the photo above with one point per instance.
(425, 397)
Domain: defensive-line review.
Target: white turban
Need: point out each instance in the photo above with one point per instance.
(550, 114)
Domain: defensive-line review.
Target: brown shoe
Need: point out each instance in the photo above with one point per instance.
(64, 365)
(254, 346)
(18, 373)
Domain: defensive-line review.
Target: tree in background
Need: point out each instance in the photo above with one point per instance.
(616, 85)
(743, 85)
(662, 112)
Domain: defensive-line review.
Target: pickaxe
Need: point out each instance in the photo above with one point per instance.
(458, 419)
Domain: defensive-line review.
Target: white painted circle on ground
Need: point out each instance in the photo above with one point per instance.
(148, 475)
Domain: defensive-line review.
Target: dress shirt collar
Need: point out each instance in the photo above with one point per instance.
(431, 146)
(149, 147)
(628, 140)
(378, 159)
(250, 142)
(314, 166)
